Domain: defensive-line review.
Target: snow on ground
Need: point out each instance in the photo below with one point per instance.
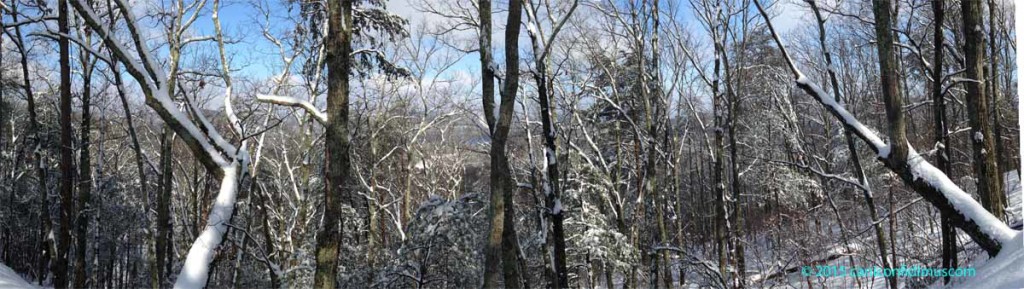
(1006, 270)
(10, 279)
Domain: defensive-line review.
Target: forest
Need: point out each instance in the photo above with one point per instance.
(509, 144)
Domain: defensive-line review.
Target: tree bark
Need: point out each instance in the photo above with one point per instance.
(164, 226)
(992, 84)
(337, 166)
(982, 138)
(502, 244)
(721, 213)
(949, 251)
(84, 172)
(67, 167)
(892, 98)
(551, 180)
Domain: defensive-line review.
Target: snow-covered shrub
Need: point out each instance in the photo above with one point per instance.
(442, 248)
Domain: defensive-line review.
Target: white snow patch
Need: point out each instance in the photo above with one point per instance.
(557, 208)
(550, 155)
(1002, 271)
(978, 137)
(11, 279)
(883, 152)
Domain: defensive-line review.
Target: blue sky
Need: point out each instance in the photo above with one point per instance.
(254, 56)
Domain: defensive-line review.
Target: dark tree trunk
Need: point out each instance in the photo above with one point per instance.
(949, 258)
(502, 245)
(85, 175)
(67, 169)
(552, 189)
(892, 98)
(164, 226)
(852, 148)
(551, 185)
(337, 166)
(721, 217)
(36, 144)
(982, 138)
(992, 84)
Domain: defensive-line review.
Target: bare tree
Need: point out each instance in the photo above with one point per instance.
(552, 191)
(502, 244)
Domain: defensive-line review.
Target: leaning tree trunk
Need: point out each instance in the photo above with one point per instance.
(984, 228)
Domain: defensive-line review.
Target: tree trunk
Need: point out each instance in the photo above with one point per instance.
(496, 208)
(337, 166)
(36, 144)
(893, 101)
(992, 85)
(502, 240)
(852, 148)
(164, 225)
(67, 167)
(85, 174)
(982, 138)
(551, 183)
(949, 250)
(721, 218)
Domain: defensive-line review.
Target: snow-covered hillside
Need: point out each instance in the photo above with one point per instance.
(1005, 271)
(11, 279)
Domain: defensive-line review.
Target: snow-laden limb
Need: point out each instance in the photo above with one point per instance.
(291, 101)
(206, 143)
(965, 213)
(921, 169)
(153, 83)
(196, 270)
(845, 116)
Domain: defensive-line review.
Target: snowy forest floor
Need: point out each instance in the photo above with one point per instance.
(1002, 271)
(1005, 270)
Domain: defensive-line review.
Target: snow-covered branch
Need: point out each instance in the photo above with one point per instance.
(295, 102)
